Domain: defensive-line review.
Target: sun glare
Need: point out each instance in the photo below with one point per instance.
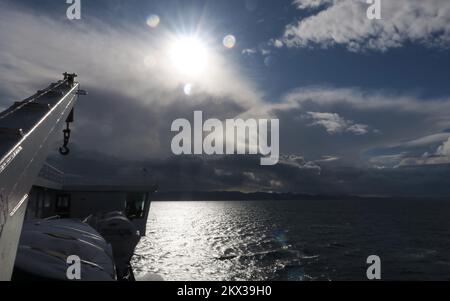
(189, 56)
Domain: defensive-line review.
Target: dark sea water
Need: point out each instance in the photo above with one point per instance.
(296, 240)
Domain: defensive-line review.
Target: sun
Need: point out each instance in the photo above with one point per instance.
(189, 56)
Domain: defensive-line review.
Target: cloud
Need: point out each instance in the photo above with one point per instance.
(429, 150)
(249, 51)
(335, 124)
(345, 22)
(127, 72)
(348, 122)
(262, 50)
(277, 43)
(299, 162)
(444, 149)
(305, 4)
(244, 174)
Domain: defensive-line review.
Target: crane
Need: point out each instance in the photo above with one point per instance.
(28, 130)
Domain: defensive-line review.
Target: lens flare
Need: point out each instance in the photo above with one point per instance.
(153, 21)
(281, 237)
(187, 89)
(229, 41)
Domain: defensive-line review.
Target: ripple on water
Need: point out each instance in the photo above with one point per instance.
(289, 240)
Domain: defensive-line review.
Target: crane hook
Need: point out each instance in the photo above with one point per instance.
(64, 150)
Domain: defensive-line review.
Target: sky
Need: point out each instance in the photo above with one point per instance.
(363, 104)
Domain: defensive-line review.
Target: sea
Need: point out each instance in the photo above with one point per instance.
(317, 240)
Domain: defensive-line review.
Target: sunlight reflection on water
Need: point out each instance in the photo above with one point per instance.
(307, 240)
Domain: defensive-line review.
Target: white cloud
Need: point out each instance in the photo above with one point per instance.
(422, 161)
(299, 162)
(345, 22)
(265, 52)
(261, 50)
(427, 140)
(249, 51)
(251, 176)
(444, 149)
(428, 150)
(327, 159)
(436, 109)
(277, 43)
(335, 124)
(304, 4)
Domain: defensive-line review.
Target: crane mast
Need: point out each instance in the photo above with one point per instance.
(28, 131)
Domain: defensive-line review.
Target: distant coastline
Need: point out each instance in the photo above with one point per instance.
(266, 196)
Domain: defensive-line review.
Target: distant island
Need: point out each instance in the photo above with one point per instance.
(271, 196)
(251, 196)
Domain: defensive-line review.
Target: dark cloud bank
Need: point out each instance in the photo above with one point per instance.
(242, 173)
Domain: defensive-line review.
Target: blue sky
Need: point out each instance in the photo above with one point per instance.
(349, 92)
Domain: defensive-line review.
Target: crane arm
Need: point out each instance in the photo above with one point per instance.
(28, 130)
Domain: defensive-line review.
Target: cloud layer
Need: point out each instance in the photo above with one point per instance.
(345, 22)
